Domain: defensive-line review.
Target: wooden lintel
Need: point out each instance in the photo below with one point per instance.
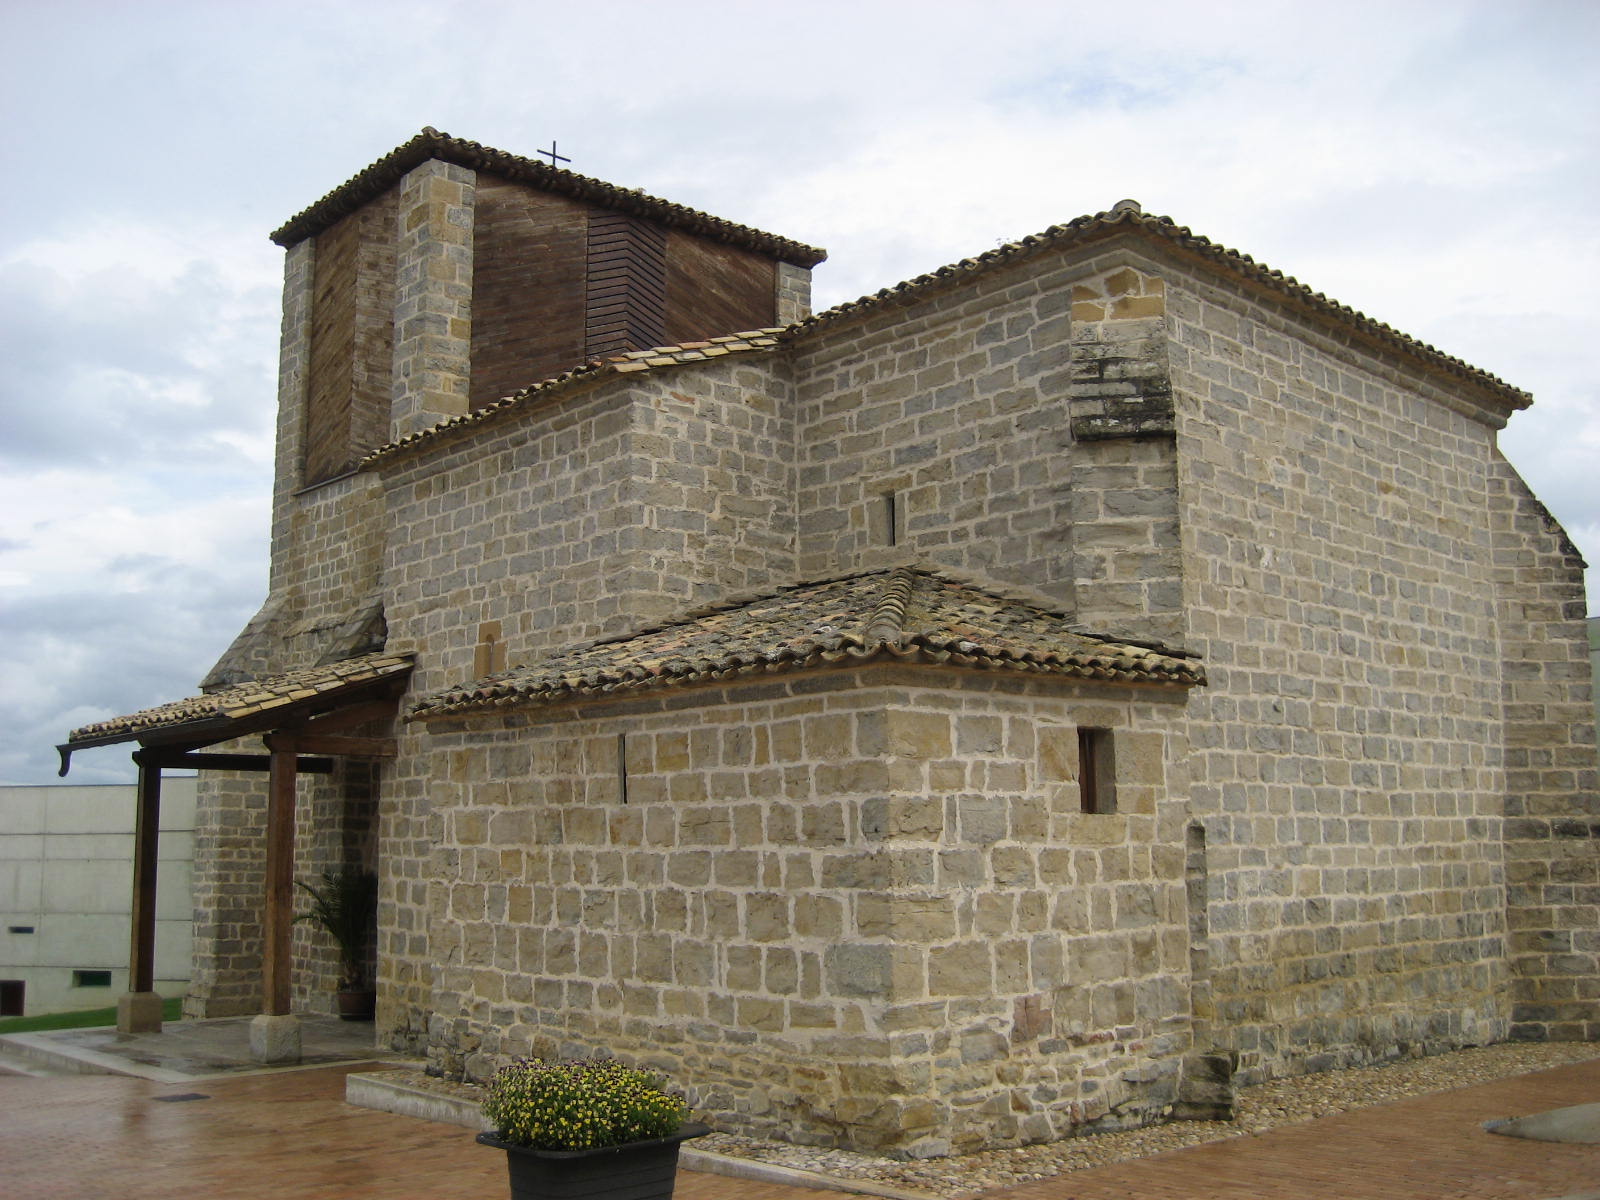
(348, 747)
(194, 761)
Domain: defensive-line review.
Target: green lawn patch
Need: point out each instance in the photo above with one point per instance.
(171, 1010)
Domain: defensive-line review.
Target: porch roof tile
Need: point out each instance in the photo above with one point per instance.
(902, 613)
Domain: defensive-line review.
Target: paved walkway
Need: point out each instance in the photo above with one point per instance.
(1428, 1148)
(285, 1135)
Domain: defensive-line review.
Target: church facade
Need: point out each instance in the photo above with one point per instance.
(1040, 696)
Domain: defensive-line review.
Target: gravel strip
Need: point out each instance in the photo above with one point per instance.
(1266, 1106)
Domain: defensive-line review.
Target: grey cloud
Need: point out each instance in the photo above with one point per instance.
(91, 382)
(77, 657)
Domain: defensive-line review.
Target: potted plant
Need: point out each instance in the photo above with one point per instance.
(346, 906)
(586, 1130)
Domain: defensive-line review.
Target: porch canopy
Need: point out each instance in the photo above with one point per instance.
(305, 717)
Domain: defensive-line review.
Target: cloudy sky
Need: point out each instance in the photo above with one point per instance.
(1433, 164)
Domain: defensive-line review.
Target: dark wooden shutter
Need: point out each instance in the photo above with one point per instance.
(626, 286)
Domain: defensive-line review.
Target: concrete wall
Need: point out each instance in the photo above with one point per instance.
(66, 869)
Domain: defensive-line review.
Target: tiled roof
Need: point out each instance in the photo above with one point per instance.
(901, 613)
(1127, 216)
(431, 144)
(248, 699)
(619, 364)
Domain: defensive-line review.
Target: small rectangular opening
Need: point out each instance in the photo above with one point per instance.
(622, 767)
(884, 512)
(11, 997)
(20, 929)
(91, 979)
(1097, 771)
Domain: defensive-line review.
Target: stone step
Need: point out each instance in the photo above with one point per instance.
(15, 1064)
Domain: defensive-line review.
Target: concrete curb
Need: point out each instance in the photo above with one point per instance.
(372, 1090)
(77, 1060)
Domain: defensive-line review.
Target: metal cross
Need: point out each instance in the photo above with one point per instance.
(552, 155)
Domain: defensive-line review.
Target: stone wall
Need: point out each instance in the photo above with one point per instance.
(962, 427)
(857, 907)
(1347, 764)
(937, 428)
(1126, 565)
(433, 297)
(229, 883)
(603, 509)
(1552, 802)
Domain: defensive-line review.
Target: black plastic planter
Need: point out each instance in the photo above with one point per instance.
(633, 1171)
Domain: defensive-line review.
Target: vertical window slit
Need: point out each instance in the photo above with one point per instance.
(622, 767)
(1097, 771)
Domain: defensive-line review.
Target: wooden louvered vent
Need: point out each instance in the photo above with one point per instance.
(626, 285)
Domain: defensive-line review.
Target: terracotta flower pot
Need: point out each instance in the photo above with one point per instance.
(632, 1171)
(359, 1005)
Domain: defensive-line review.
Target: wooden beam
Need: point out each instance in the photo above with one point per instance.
(278, 904)
(346, 747)
(355, 714)
(146, 848)
(193, 761)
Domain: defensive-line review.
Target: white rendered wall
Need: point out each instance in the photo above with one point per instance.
(66, 870)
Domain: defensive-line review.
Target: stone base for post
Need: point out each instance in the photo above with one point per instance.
(139, 1012)
(275, 1039)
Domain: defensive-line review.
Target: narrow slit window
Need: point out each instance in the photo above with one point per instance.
(91, 979)
(622, 767)
(891, 519)
(1097, 771)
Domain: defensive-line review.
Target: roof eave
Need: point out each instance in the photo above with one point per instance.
(596, 371)
(211, 728)
(1163, 232)
(432, 144)
(626, 688)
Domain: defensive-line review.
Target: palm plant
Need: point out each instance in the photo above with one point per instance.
(344, 906)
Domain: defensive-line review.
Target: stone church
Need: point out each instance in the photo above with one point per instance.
(1042, 695)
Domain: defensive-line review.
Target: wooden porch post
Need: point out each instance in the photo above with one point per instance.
(140, 1010)
(278, 916)
(275, 1033)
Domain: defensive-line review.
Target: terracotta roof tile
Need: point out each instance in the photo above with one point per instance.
(657, 357)
(247, 699)
(904, 613)
(431, 144)
(1127, 217)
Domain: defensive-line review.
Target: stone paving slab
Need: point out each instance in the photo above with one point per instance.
(1577, 1125)
(184, 1050)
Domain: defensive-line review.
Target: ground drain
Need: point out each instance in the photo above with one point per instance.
(182, 1096)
